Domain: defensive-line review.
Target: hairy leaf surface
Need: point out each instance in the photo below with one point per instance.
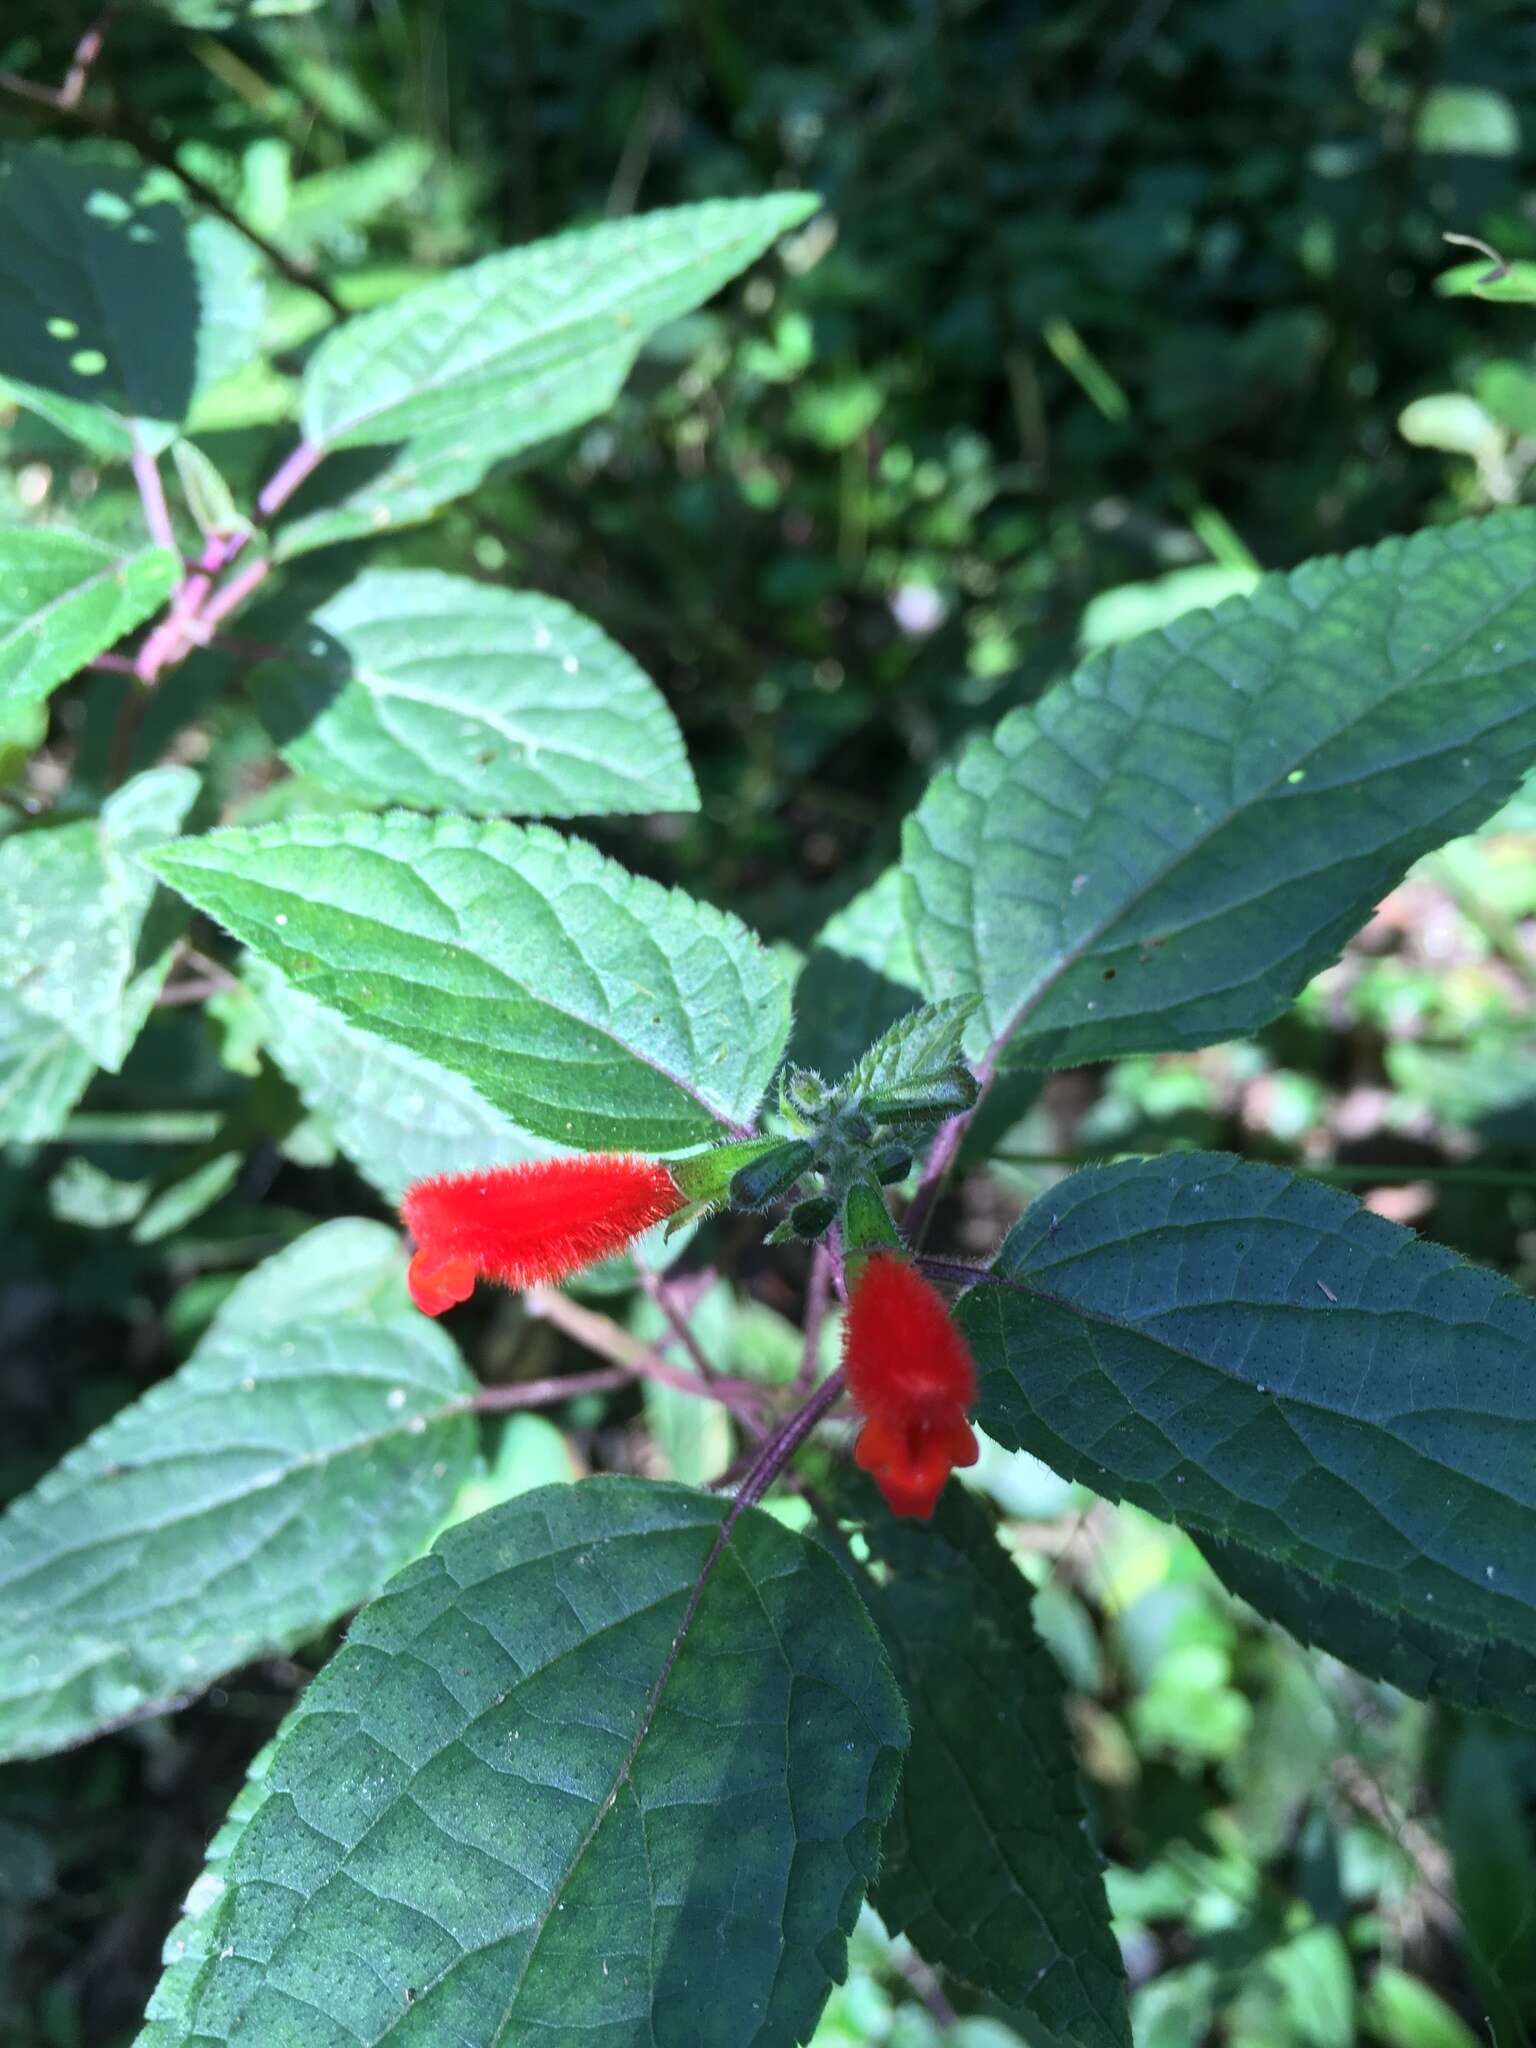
(1164, 849)
(436, 691)
(510, 351)
(549, 1790)
(590, 1005)
(80, 951)
(314, 1440)
(1256, 1356)
(987, 1866)
(64, 598)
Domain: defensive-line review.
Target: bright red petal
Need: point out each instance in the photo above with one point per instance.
(535, 1224)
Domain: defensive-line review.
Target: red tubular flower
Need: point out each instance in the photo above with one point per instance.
(909, 1370)
(528, 1225)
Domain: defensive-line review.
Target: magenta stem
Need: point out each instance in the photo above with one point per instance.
(157, 513)
(285, 480)
(232, 594)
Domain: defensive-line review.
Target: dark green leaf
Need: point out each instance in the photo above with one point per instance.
(1165, 848)
(593, 1006)
(860, 977)
(987, 1867)
(312, 1443)
(115, 312)
(551, 1791)
(1254, 1355)
(64, 598)
(439, 692)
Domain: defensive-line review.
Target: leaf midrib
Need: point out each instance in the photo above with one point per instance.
(1078, 951)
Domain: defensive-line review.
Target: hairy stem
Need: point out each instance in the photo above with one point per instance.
(157, 513)
(663, 1294)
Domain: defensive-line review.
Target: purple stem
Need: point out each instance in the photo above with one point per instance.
(285, 480)
(157, 513)
(229, 595)
(816, 1297)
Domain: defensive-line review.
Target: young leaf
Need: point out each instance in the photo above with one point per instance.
(594, 1007)
(1255, 1356)
(917, 1044)
(512, 350)
(312, 1443)
(413, 687)
(64, 598)
(986, 1865)
(115, 312)
(1166, 847)
(79, 951)
(572, 1776)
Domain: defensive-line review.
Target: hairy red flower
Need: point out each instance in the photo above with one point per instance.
(528, 1225)
(909, 1369)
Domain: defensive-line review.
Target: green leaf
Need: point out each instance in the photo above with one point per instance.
(114, 310)
(398, 1117)
(987, 1867)
(860, 976)
(916, 1045)
(1415, 1654)
(312, 1443)
(1257, 1357)
(552, 1790)
(593, 1006)
(64, 598)
(413, 687)
(43, 1072)
(79, 951)
(508, 352)
(1163, 849)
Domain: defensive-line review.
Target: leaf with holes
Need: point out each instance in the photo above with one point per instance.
(65, 598)
(986, 1865)
(314, 1440)
(1163, 849)
(566, 1779)
(115, 309)
(1254, 1355)
(508, 352)
(413, 687)
(85, 944)
(592, 1006)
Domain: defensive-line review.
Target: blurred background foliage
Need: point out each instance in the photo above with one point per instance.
(1111, 307)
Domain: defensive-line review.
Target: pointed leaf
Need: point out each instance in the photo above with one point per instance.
(397, 1116)
(64, 598)
(115, 311)
(1164, 849)
(268, 1486)
(1254, 1355)
(593, 1006)
(510, 351)
(987, 1866)
(916, 1045)
(442, 693)
(565, 1781)
(860, 976)
(78, 949)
